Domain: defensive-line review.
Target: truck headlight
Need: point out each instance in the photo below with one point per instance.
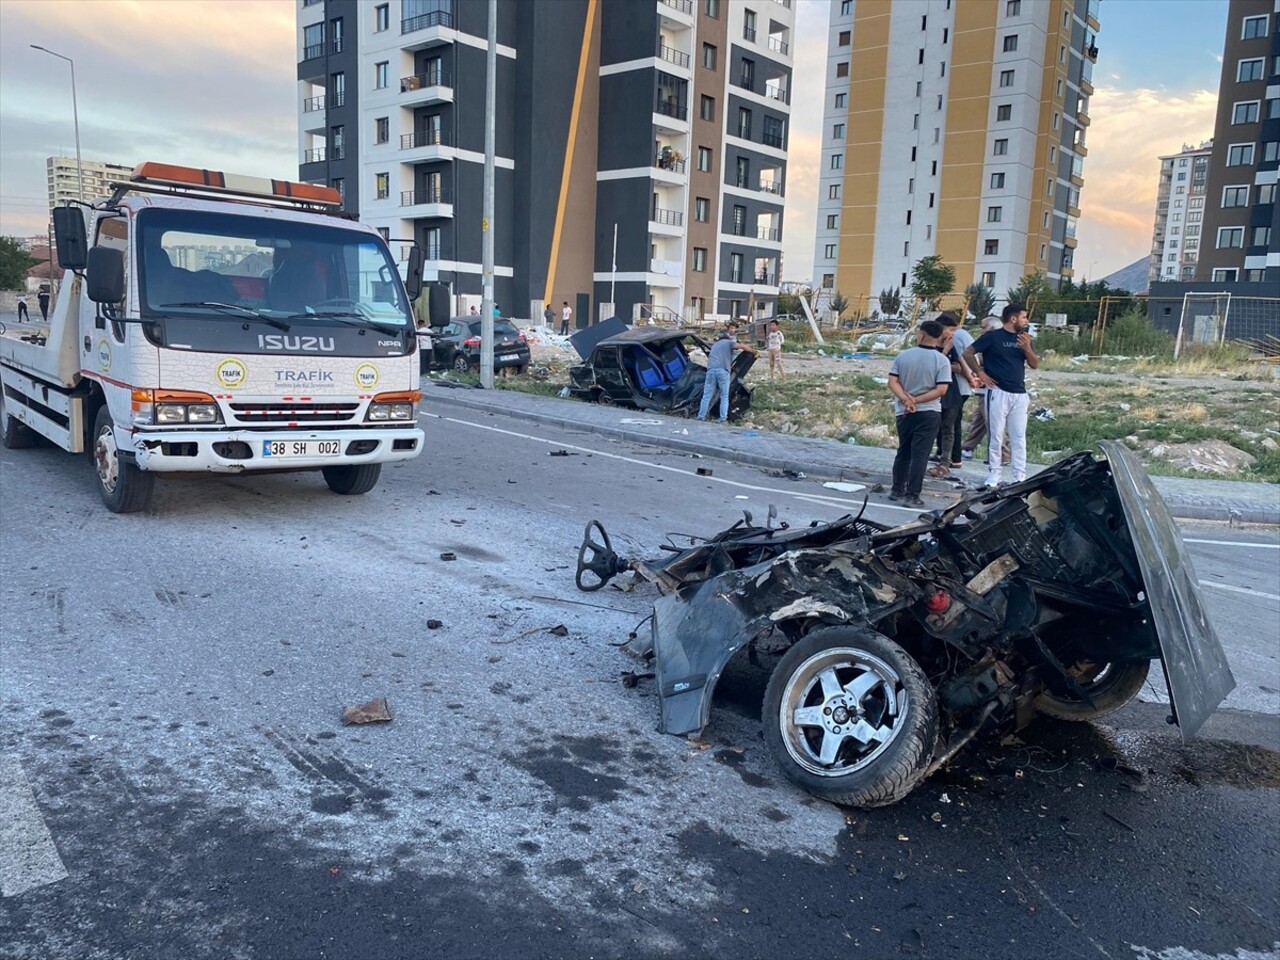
(171, 407)
(171, 413)
(400, 407)
(202, 413)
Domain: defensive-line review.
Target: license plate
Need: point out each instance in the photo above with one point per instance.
(509, 356)
(286, 449)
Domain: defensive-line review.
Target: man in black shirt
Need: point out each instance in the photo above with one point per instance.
(1006, 353)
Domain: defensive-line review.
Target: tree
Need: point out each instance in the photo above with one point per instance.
(839, 303)
(14, 264)
(982, 300)
(931, 280)
(1032, 291)
(890, 301)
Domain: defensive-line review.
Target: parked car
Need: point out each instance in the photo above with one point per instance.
(649, 368)
(456, 346)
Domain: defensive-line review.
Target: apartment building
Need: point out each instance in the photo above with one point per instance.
(641, 144)
(64, 179)
(1242, 219)
(956, 129)
(1176, 239)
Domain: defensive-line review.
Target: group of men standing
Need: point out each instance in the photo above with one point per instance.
(929, 382)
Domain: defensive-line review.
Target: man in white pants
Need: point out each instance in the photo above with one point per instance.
(1006, 353)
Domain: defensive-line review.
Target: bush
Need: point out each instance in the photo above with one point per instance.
(1133, 334)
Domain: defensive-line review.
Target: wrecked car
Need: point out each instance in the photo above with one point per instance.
(896, 646)
(649, 368)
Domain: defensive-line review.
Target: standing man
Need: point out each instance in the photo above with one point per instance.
(1006, 353)
(549, 317)
(917, 379)
(43, 298)
(963, 381)
(23, 316)
(719, 365)
(475, 312)
(977, 431)
(566, 314)
(773, 343)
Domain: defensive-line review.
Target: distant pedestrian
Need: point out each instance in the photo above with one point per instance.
(43, 298)
(918, 379)
(955, 340)
(773, 341)
(977, 431)
(549, 317)
(475, 311)
(23, 316)
(719, 367)
(1006, 353)
(566, 314)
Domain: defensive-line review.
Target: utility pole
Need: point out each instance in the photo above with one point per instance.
(613, 276)
(75, 114)
(486, 227)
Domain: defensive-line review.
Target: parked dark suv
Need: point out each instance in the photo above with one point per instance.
(456, 346)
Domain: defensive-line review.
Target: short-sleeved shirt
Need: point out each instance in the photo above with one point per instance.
(962, 340)
(720, 356)
(773, 340)
(919, 370)
(1003, 360)
(953, 397)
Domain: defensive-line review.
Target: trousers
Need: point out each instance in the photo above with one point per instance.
(1007, 417)
(717, 381)
(949, 432)
(916, 433)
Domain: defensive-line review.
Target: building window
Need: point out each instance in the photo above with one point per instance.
(1224, 274)
(1004, 111)
(1013, 8)
(1247, 70)
(1006, 78)
(997, 181)
(842, 69)
(1044, 223)
(702, 210)
(1240, 155)
(381, 17)
(381, 130)
(1270, 151)
(842, 99)
(1230, 237)
(700, 259)
(837, 131)
(1254, 276)
(989, 277)
(931, 196)
(1059, 90)
(843, 40)
(707, 108)
(1001, 147)
(833, 192)
(911, 185)
(1254, 27)
(1043, 251)
(381, 186)
(1245, 112)
(380, 75)
(313, 41)
(1273, 108)
(993, 214)
(339, 184)
(735, 268)
(915, 122)
(744, 123)
(337, 142)
(1182, 176)
(829, 251)
(742, 168)
(1011, 43)
(711, 8)
(749, 25)
(1235, 196)
(704, 159)
(991, 247)
(1053, 153)
(384, 233)
(1266, 193)
(832, 220)
(1261, 236)
(837, 161)
(828, 281)
(709, 56)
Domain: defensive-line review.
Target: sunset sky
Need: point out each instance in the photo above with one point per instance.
(211, 83)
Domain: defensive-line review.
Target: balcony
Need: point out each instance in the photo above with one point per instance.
(778, 45)
(783, 3)
(313, 51)
(673, 56)
(670, 162)
(317, 155)
(767, 279)
(776, 93)
(669, 272)
(749, 34)
(772, 234)
(312, 104)
(424, 138)
(434, 201)
(433, 86)
(684, 6)
(745, 82)
(671, 114)
(770, 186)
(772, 140)
(436, 18)
(668, 218)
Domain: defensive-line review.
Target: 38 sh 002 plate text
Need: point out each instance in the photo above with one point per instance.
(283, 449)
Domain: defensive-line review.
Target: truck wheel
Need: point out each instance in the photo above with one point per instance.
(124, 488)
(850, 717)
(353, 479)
(1109, 685)
(15, 435)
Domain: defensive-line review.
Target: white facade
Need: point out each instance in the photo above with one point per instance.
(64, 179)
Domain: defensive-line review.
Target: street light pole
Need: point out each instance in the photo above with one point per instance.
(75, 114)
(486, 228)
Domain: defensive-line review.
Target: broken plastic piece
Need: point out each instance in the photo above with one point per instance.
(375, 711)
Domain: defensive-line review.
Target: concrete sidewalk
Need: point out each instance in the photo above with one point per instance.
(1238, 500)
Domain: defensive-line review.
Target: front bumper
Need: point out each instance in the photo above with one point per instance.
(240, 451)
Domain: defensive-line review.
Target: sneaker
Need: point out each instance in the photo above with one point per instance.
(896, 494)
(967, 454)
(957, 463)
(913, 501)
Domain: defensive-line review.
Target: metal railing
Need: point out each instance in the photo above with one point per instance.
(672, 218)
(337, 152)
(776, 93)
(768, 233)
(672, 56)
(436, 18)
(669, 163)
(671, 108)
(314, 156)
(313, 51)
(410, 198)
(770, 186)
(749, 33)
(312, 104)
(772, 140)
(684, 6)
(432, 78)
(775, 43)
(424, 138)
(336, 46)
(337, 99)
(768, 279)
(784, 3)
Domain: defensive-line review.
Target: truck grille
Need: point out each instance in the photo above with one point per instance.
(293, 412)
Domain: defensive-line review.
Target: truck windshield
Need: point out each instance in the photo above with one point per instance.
(194, 263)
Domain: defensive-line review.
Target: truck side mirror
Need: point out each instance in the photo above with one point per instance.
(105, 275)
(68, 229)
(413, 275)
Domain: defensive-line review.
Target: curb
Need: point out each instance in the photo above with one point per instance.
(1226, 511)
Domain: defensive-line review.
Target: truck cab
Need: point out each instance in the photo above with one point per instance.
(210, 323)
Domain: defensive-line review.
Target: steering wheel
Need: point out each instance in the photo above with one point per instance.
(597, 559)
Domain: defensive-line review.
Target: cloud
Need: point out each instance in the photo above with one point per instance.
(804, 145)
(1131, 129)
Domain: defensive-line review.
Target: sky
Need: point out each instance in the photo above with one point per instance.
(211, 83)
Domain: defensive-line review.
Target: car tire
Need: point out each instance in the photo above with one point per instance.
(1109, 685)
(519, 371)
(461, 364)
(870, 717)
(352, 479)
(604, 399)
(123, 487)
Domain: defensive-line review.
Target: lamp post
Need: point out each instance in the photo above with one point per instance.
(75, 113)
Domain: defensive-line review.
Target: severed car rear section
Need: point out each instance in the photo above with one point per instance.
(899, 645)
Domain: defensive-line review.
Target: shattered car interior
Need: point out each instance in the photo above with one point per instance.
(649, 368)
(897, 646)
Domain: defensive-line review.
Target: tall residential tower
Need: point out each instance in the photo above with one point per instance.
(1175, 242)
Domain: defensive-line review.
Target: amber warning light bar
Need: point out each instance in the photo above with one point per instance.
(171, 175)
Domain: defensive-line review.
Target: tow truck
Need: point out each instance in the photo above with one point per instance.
(219, 324)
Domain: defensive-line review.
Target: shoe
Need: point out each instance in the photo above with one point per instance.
(967, 454)
(957, 463)
(913, 501)
(984, 488)
(896, 494)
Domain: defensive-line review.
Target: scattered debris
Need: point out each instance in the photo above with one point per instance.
(844, 487)
(704, 471)
(561, 453)
(640, 422)
(1115, 819)
(434, 624)
(447, 555)
(1044, 415)
(559, 630)
(375, 711)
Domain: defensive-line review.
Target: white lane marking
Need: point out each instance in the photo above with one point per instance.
(28, 857)
(813, 497)
(1244, 544)
(1246, 590)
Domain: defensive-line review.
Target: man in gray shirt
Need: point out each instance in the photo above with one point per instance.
(918, 378)
(719, 365)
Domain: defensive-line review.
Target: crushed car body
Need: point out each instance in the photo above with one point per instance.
(899, 645)
(649, 368)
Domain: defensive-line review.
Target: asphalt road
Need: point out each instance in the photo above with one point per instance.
(175, 781)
